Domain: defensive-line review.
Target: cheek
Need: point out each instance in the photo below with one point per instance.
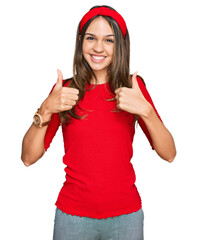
(110, 50)
(83, 48)
(86, 46)
(84, 51)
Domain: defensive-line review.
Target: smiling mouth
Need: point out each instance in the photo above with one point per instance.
(97, 58)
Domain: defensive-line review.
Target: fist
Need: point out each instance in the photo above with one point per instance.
(61, 98)
(132, 99)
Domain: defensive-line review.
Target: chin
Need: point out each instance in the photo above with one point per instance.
(98, 68)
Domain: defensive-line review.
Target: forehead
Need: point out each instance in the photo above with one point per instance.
(100, 26)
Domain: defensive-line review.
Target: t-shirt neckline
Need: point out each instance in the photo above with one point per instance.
(101, 84)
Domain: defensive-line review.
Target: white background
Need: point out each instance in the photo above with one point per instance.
(37, 37)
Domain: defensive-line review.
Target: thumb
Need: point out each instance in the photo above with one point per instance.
(59, 79)
(134, 81)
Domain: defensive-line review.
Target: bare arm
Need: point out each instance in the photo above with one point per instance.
(132, 100)
(61, 99)
(162, 139)
(33, 142)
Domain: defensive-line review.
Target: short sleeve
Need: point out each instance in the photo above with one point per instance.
(148, 98)
(52, 128)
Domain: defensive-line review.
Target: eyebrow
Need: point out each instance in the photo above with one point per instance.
(91, 34)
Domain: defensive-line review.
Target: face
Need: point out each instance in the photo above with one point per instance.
(98, 45)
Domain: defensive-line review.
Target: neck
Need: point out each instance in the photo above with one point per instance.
(101, 77)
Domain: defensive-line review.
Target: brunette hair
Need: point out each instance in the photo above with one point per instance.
(118, 73)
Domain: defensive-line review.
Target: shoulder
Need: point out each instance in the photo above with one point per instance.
(140, 80)
(66, 82)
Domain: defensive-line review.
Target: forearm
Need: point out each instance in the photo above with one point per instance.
(162, 139)
(33, 143)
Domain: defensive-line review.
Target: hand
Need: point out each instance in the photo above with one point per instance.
(61, 98)
(131, 99)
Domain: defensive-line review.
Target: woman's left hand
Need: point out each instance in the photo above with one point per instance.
(131, 99)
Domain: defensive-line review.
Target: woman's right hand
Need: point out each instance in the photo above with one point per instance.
(60, 99)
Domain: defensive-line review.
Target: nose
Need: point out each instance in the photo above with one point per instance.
(98, 46)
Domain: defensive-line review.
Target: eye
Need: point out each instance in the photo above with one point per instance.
(109, 40)
(89, 38)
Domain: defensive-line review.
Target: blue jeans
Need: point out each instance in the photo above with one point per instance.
(123, 227)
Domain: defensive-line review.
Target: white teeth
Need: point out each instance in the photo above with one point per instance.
(96, 57)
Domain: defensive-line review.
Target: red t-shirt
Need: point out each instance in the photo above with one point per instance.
(100, 179)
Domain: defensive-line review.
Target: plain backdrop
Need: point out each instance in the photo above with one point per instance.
(37, 38)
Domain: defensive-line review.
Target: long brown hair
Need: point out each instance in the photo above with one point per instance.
(118, 73)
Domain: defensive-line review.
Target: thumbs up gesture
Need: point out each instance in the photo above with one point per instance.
(61, 98)
(131, 99)
(59, 79)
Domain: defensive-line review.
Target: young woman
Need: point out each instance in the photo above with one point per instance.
(98, 108)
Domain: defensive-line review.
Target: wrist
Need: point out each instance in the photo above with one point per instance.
(148, 111)
(44, 112)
